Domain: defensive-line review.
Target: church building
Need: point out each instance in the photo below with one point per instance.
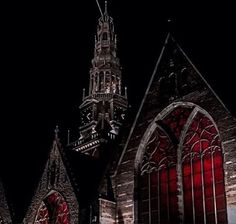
(174, 161)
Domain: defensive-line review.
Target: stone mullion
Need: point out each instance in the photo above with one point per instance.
(158, 197)
(180, 192)
(192, 187)
(179, 165)
(213, 185)
(203, 189)
(167, 195)
(104, 81)
(110, 74)
(149, 198)
(98, 82)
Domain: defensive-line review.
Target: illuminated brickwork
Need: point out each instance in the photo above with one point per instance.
(175, 163)
(183, 150)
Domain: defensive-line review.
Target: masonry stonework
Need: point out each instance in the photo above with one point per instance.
(199, 93)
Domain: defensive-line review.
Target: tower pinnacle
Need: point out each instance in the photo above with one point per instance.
(170, 25)
(104, 106)
(56, 131)
(105, 12)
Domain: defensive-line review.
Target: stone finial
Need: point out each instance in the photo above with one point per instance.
(105, 12)
(56, 131)
(170, 25)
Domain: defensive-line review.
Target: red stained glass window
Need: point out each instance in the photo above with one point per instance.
(177, 119)
(53, 210)
(201, 180)
(206, 192)
(158, 201)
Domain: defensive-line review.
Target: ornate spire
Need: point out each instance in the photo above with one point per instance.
(102, 110)
(105, 74)
(170, 25)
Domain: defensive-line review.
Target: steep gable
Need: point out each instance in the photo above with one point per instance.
(175, 81)
(5, 216)
(54, 185)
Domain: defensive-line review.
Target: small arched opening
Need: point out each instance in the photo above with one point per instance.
(53, 210)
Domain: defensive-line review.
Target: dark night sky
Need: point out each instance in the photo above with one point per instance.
(47, 49)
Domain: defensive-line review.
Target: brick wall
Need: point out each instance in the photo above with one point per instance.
(107, 211)
(159, 96)
(5, 216)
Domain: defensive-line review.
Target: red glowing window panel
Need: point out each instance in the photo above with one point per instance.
(53, 210)
(158, 180)
(177, 119)
(202, 172)
(202, 179)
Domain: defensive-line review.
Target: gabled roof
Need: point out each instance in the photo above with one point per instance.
(19, 190)
(174, 78)
(5, 215)
(54, 178)
(174, 64)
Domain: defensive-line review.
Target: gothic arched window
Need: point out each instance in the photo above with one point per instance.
(53, 210)
(108, 82)
(181, 174)
(113, 83)
(104, 36)
(101, 82)
(158, 179)
(202, 170)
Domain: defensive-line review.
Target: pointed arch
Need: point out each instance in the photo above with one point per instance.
(104, 36)
(179, 168)
(5, 215)
(202, 176)
(158, 178)
(53, 210)
(153, 125)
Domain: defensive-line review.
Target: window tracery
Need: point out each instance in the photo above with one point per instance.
(158, 179)
(201, 165)
(204, 197)
(177, 119)
(53, 210)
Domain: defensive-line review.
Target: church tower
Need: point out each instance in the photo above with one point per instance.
(102, 110)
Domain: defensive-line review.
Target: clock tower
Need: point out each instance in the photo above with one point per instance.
(103, 108)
